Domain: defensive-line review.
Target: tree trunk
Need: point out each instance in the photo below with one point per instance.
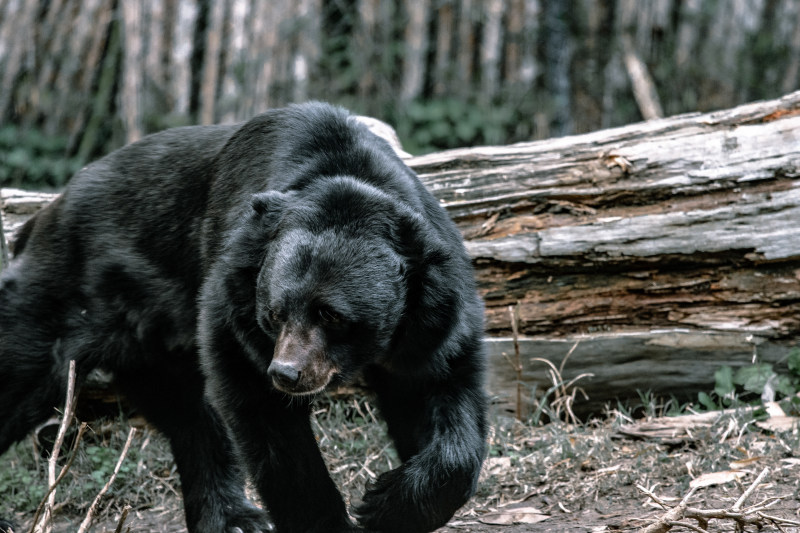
(491, 49)
(662, 249)
(211, 63)
(132, 67)
(416, 47)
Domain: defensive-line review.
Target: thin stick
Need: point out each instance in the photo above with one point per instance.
(125, 511)
(513, 312)
(44, 526)
(73, 453)
(738, 505)
(687, 526)
(92, 508)
(778, 519)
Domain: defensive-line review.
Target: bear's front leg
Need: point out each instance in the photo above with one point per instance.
(440, 430)
(276, 444)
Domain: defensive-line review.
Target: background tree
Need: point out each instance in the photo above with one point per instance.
(81, 77)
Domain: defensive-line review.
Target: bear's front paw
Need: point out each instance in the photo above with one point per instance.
(400, 503)
(414, 499)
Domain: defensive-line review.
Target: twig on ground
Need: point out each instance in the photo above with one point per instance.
(672, 516)
(778, 520)
(92, 508)
(749, 492)
(43, 524)
(752, 515)
(121, 523)
(687, 525)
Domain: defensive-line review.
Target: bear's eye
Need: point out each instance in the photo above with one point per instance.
(272, 315)
(330, 316)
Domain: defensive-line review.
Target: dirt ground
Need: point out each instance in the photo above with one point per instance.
(584, 479)
(556, 477)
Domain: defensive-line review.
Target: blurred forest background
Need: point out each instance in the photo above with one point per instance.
(79, 78)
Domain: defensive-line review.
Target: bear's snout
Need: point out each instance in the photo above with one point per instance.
(300, 364)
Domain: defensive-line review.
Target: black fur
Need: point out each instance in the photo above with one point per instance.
(287, 254)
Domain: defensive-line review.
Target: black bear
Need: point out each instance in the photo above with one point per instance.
(225, 275)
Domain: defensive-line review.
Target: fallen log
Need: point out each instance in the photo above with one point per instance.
(666, 248)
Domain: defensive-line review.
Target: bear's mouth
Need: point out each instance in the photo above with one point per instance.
(296, 392)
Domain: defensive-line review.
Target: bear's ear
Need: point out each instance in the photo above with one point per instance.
(264, 203)
(417, 241)
(268, 211)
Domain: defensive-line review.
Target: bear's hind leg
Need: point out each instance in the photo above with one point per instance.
(29, 394)
(34, 363)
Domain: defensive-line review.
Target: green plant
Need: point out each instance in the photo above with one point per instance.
(429, 125)
(30, 158)
(103, 459)
(21, 478)
(752, 383)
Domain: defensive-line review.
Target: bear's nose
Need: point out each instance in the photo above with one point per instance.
(285, 375)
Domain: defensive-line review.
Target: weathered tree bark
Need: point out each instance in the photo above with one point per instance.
(667, 247)
(683, 222)
(663, 249)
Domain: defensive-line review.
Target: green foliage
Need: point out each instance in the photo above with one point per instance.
(23, 473)
(793, 361)
(20, 480)
(103, 460)
(749, 383)
(431, 125)
(29, 158)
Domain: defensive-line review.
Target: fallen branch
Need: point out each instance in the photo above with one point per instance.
(753, 515)
(677, 430)
(672, 515)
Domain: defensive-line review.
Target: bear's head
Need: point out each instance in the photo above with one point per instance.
(340, 279)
